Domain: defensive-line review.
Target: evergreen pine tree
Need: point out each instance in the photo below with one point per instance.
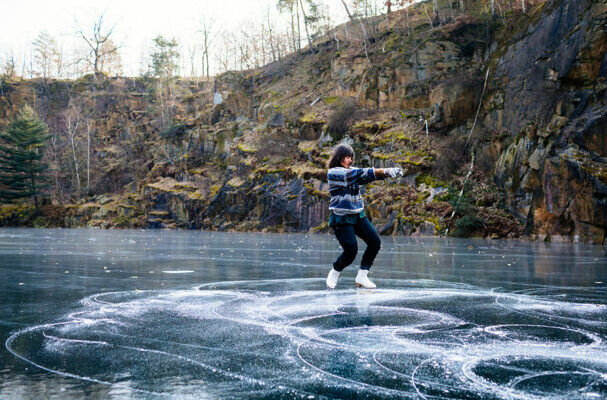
(22, 172)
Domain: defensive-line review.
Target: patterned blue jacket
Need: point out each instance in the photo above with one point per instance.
(344, 187)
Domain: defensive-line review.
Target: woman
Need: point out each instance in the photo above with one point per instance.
(348, 218)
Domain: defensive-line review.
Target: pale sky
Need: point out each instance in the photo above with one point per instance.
(138, 21)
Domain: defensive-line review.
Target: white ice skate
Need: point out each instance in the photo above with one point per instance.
(362, 280)
(332, 278)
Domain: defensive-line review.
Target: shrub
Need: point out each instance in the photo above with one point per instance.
(277, 144)
(429, 180)
(452, 157)
(123, 221)
(342, 118)
(16, 214)
(467, 225)
(462, 205)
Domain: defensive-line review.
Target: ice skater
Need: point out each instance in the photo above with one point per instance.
(348, 218)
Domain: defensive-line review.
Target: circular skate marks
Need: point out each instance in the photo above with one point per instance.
(542, 376)
(295, 339)
(544, 334)
(584, 307)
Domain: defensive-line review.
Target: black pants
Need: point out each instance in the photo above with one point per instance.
(346, 235)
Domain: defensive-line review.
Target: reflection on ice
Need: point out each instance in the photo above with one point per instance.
(291, 338)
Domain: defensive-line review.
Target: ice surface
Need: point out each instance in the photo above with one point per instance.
(215, 315)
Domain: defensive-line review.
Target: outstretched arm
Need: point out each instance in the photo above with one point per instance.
(388, 172)
(339, 177)
(373, 174)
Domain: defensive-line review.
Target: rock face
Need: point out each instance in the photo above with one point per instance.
(248, 151)
(413, 73)
(550, 85)
(270, 203)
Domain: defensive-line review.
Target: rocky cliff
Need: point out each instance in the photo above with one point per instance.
(526, 141)
(548, 97)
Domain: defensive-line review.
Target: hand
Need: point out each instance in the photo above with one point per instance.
(394, 172)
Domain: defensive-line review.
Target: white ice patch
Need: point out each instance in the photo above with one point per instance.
(178, 271)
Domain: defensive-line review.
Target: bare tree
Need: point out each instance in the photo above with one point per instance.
(8, 67)
(192, 55)
(244, 52)
(262, 43)
(45, 54)
(362, 25)
(208, 36)
(306, 19)
(367, 8)
(54, 157)
(60, 63)
(96, 41)
(271, 39)
(292, 6)
(72, 122)
(89, 127)
(111, 61)
(223, 56)
(25, 58)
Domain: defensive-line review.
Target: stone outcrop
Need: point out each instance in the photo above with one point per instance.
(548, 94)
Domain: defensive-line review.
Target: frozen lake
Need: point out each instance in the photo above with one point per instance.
(147, 314)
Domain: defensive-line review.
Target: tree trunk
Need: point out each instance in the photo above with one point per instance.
(96, 65)
(298, 27)
(88, 158)
(202, 64)
(347, 10)
(306, 25)
(71, 130)
(294, 44)
(206, 49)
(271, 38)
(35, 194)
(56, 170)
(75, 161)
(263, 45)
